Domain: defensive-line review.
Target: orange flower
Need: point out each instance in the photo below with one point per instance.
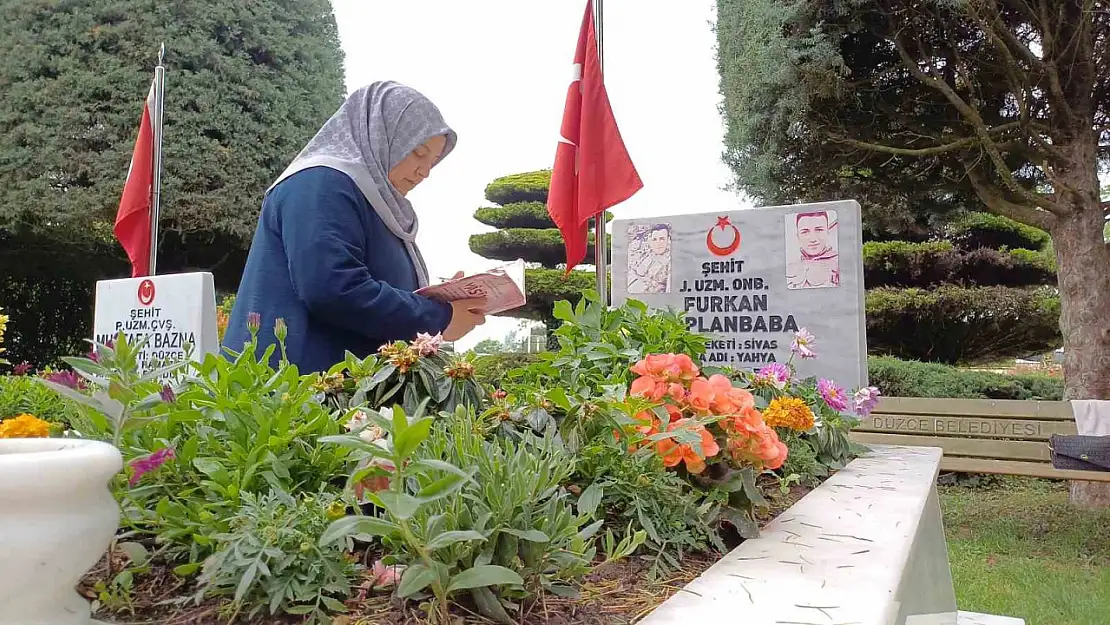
(789, 412)
(647, 425)
(648, 387)
(673, 413)
(667, 367)
(674, 453)
(701, 395)
(759, 447)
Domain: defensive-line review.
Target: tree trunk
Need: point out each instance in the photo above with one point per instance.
(1083, 266)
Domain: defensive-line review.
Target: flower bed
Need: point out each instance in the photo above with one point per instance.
(254, 492)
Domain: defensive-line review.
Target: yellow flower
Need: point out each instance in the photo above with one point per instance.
(24, 426)
(3, 326)
(789, 412)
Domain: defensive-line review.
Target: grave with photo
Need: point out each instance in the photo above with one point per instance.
(752, 278)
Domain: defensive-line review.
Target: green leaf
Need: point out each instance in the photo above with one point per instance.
(558, 397)
(352, 525)
(185, 570)
(590, 500)
(446, 539)
(213, 469)
(489, 606)
(353, 441)
(416, 577)
(440, 465)
(407, 441)
(533, 535)
(380, 376)
(443, 487)
(400, 422)
(400, 505)
(484, 575)
(135, 552)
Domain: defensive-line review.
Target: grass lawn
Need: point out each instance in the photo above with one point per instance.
(1018, 549)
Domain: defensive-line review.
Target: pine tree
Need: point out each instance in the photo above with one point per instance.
(927, 103)
(248, 83)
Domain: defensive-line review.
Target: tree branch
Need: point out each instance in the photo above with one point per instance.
(959, 144)
(998, 204)
(973, 119)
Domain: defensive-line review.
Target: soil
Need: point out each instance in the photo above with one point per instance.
(617, 594)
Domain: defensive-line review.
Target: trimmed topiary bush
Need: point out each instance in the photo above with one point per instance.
(547, 286)
(988, 230)
(902, 264)
(527, 187)
(538, 246)
(954, 324)
(519, 215)
(902, 378)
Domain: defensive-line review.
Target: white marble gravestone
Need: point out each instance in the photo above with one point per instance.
(750, 278)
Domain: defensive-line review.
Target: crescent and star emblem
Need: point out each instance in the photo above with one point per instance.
(723, 223)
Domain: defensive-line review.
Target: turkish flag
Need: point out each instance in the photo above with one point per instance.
(593, 171)
(133, 218)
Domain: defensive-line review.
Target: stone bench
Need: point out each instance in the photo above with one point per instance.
(867, 547)
(978, 435)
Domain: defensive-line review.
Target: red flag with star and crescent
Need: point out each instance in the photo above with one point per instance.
(133, 217)
(593, 171)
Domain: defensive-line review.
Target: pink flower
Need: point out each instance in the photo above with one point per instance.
(67, 378)
(254, 322)
(865, 400)
(426, 344)
(22, 368)
(167, 394)
(385, 576)
(833, 394)
(142, 466)
(775, 375)
(803, 344)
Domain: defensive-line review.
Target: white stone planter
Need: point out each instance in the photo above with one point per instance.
(866, 548)
(57, 517)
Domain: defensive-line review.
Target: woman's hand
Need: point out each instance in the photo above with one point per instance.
(465, 316)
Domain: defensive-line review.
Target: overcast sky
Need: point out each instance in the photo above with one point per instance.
(499, 70)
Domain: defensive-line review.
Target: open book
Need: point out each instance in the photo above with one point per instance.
(503, 288)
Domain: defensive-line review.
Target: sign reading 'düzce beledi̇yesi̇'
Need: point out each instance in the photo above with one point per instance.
(749, 279)
(175, 313)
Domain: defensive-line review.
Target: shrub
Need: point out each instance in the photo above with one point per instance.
(902, 264)
(548, 286)
(519, 215)
(538, 246)
(527, 187)
(24, 395)
(976, 230)
(962, 325)
(490, 370)
(901, 378)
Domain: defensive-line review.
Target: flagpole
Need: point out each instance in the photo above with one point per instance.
(600, 261)
(156, 186)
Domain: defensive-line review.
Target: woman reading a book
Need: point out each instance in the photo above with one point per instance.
(334, 253)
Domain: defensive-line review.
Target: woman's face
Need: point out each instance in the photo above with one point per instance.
(415, 167)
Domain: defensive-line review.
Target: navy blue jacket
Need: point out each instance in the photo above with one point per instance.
(324, 261)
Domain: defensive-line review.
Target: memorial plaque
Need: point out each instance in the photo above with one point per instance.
(175, 313)
(749, 279)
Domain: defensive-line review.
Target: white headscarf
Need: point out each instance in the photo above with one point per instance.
(374, 130)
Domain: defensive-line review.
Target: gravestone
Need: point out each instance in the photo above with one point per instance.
(175, 313)
(749, 279)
